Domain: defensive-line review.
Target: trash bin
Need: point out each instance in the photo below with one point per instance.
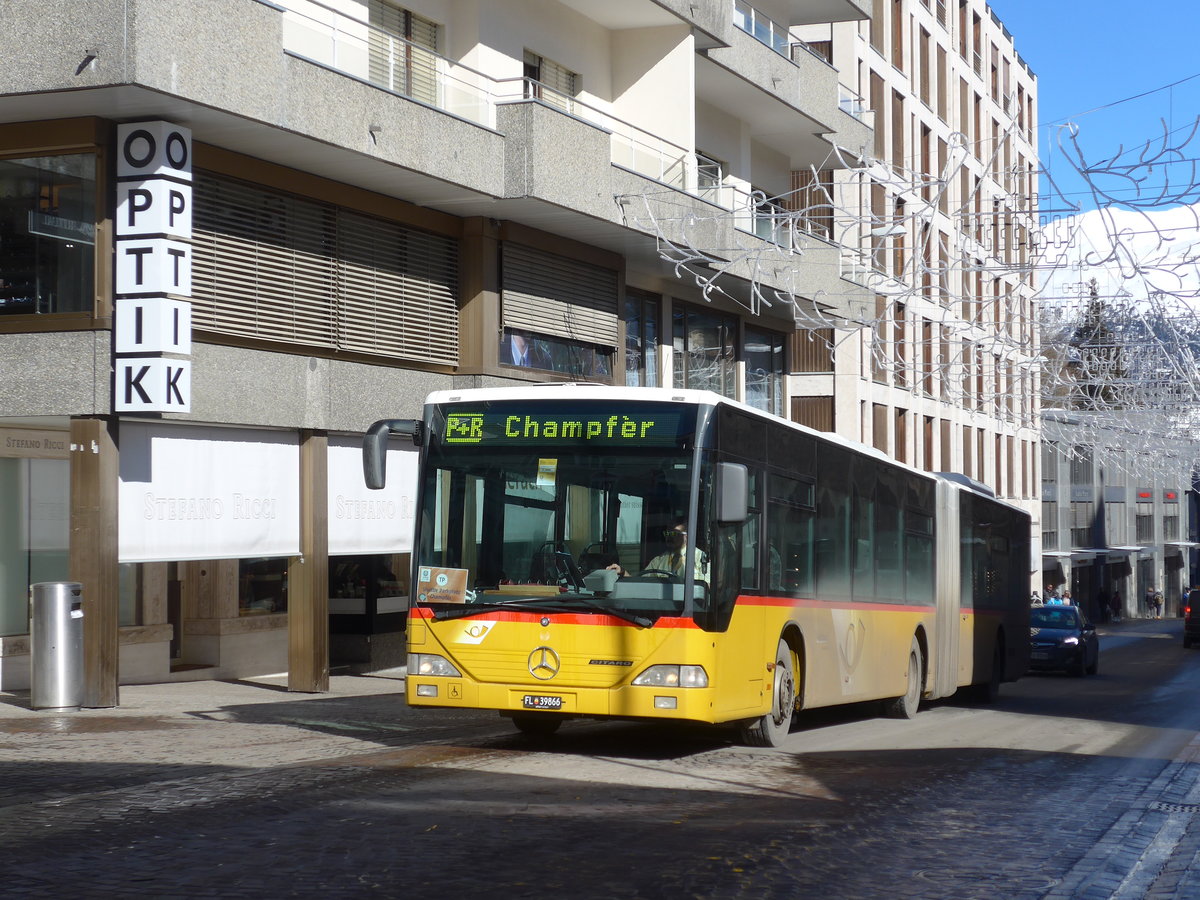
(56, 645)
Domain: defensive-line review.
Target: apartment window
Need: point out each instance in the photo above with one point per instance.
(898, 34)
(641, 338)
(550, 82)
(1170, 528)
(811, 201)
(1049, 525)
(879, 427)
(813, 412)
(552, 353)
(1082, 469)
(812, 350)
(710, 175)
(763, 355)
(403, 51)
(704, 357)
(568, 305)
(1144, 523)
(47, 234)
(876, 25)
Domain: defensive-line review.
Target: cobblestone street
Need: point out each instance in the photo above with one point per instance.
(216, 789)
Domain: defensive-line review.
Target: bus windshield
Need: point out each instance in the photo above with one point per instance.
(560, 507)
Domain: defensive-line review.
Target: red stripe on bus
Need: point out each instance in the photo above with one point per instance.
(558, 618)
(814, 603)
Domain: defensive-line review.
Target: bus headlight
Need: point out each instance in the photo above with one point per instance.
(673, 676)
(430, 664)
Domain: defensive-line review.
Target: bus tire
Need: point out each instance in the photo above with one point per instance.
(536, 724)
(771, 729)
(905, 706)
(989, 691)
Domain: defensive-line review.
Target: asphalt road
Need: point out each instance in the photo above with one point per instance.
(1067, 787)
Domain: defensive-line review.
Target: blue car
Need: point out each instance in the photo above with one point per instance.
(1061, 637)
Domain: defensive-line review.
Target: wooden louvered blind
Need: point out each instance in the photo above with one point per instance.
(551, 294)
(261, 264)
(397, 290)
(278, 267)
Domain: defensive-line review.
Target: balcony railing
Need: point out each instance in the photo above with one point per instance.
(360, 50)
(761, 27)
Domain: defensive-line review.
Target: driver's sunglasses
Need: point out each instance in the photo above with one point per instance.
(669, 533)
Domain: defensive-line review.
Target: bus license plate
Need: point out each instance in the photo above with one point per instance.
(541, 701)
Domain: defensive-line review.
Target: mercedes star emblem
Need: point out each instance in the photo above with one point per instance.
(544, 663)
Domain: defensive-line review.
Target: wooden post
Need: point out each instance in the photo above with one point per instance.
(93, 554)
(308, 574)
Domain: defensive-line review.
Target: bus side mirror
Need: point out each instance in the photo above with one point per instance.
(375, 443)
(732, 492)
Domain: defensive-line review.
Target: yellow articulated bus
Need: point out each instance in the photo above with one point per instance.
(591, 551)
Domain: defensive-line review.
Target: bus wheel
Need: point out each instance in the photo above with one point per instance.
(905, 706)
(771, 729)
(536, 724)
(989, 691)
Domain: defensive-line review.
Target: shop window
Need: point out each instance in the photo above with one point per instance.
(528, 349)
(34, 533)
(641, 339)
(47, 234)
(371, 583)
(262, 586)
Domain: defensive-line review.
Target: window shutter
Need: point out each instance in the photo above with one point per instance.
(551, 294)
(277, 267)
(261, 264)
(398, 289)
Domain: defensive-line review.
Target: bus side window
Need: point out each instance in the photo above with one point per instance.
(789, 536)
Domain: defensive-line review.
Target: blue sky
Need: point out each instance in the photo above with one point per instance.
(1089, 56)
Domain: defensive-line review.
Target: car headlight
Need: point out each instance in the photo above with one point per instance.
(1070, 640)
(431, 664)
(673, 676)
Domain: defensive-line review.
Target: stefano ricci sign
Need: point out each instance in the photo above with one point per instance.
(152, 330)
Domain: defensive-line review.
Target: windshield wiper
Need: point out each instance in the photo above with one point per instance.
(530, 604)
(539, 604)
(625, 614)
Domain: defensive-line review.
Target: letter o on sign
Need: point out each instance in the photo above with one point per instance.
(154, 150)
(139, 148)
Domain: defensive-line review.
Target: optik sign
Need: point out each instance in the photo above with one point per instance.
(152, 331)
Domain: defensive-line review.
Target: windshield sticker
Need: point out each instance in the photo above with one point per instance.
(547, 469)
(440, 585)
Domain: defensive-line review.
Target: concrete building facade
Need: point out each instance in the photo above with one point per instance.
(945, 374)
(361, 202)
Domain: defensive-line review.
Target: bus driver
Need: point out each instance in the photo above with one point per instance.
(671, 561)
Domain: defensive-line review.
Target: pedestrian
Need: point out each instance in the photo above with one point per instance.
(1035, 600)
(1148, 600)
(1158, 604)
(1116, 606)
(1066, 599)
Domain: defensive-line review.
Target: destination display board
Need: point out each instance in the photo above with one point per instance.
(516, 424)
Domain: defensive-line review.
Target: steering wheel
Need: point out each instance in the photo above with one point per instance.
(660, 573)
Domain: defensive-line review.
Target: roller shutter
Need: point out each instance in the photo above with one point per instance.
(277, 267)
(551, 294)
